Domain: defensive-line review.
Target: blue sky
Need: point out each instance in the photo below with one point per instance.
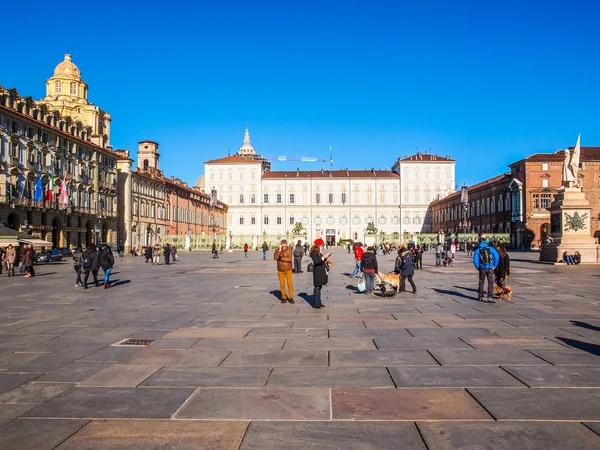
(487, 82)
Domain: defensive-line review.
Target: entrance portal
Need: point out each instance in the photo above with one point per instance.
(56, 233)
(14, 221)
(330, 237)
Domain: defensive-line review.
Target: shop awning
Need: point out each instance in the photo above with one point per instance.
(5, 240)
(36, 242)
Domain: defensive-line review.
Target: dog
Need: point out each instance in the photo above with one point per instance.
(391, 278)
(502, 293)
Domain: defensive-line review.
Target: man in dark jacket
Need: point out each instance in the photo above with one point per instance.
(106, 260)
(407, 270)
(265, 249)
(77, 257)
(369, 268)
(298, 254)
(148, 253)
(283, 256)
(29, 260)
(485, 260)
(167, 253)
(419, 258)
(90, 264)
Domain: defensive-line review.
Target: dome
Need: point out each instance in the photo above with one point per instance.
(67, 68)
(246, 148)
(200, 182)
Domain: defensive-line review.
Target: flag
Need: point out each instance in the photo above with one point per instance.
(38, 194)
(50, 192)
(330, 156)
(64, 197)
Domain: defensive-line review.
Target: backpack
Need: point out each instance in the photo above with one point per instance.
(297, 252)
(485, 256)
(87, 261)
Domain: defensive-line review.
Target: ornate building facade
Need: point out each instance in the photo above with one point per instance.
(57, 152)
(156, 209)
(332, 204)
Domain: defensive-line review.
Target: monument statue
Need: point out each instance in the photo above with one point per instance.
(570, 175)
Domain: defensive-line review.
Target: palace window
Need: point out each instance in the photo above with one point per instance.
(318, 197)
(546, 200)
(292, 198)
(266, 220)
(241, 220)
(292, 222)
(278, 198)
(545, 182)
(73, 88)
(266, 198)
(544, 166)
(330, 198)
(253, 220)
(241, 198)
(278, 220)
(343, 198)
(58, 87)
(252, 198)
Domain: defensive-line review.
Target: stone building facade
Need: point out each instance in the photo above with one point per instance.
(156, 209)
(332, 204)
(518, 202)
(38, 141)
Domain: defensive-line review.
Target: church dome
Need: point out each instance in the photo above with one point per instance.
(246, 148)
(67, 68)
(200, 182)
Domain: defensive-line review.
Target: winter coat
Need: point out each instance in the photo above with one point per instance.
(147, 252)
(299, 250)
(494, 255)
(319, 269)
(284, 259)
(503, 267)
(358, 253)
(106, 259)
(265, 247)
(407, 267)
(29, 257)
(166, 250)
(439, 249)
(173, 252)
(156, 251)
(93, 254)
(77, 255)
(11, 255)
(369, 262)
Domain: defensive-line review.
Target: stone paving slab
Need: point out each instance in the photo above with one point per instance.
(448, 332)
(381, 358)
(332, 435)
(274, 344)
(35, 392)
(110, 354)
(37, 434)
(127, 403)
(400, 343)
(258, 404)
(296, 358)
(10, 381)
(282, 332)
(346, 343)
(10, 360)
(208, 333)
(184, 376)
(177, 357)
(405, 404)
(594, 426)
(9, 412)
(510, 342)
(488, 357)
(452, 376)
(557, 376)
(174, 343)
(121, 375)
(331, 377)
(157, 434)
(567, 356)
(540, 404)
(507, 436)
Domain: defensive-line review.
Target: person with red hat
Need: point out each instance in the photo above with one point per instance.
(320, 271)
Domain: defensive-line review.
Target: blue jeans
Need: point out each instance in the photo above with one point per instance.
(107, 275)
(438, 259)
(264, 255)
(369, 281)
(317, 297)
(356, 269)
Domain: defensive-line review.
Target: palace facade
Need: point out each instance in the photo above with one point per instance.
(57, 147)
(332, 204)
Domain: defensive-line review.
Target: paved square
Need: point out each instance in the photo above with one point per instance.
(230, 367)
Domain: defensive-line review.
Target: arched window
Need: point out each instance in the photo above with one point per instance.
(145, 165)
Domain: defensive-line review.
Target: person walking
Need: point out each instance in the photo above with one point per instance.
(10, 258)
(320, 271)
(245, 250)
(369, 268)
(29, 261)
(77, 261)
(469, 249)
(358, 256)
(265, 249)
(174, 255)
(407, 270)
(453, 249)
(349, 247)
(485, 260)
(439, 249)
(106, 260)
(298, 254)
(156, 254)
(419, 258)
(148, 253)
(90, 264)
(2, 259)
(283, 256)
(502, 271)
(215, 251)
(167, 253)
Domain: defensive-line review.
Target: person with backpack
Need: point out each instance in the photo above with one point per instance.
(298, 254)
(167, 253)
(407, 269)
(485, 260)
(245, 250)
(265, 249)
(77, 262)
(369, 268)
(106, 260)
(90, 264)
(358, 256)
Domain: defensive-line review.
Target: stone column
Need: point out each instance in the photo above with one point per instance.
(124, 203)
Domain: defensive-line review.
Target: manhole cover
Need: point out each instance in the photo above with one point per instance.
(142, 342)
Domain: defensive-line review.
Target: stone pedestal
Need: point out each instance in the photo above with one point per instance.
(570, 215)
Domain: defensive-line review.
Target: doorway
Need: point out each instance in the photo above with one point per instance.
(330, 237)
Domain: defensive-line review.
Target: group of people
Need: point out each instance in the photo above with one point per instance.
(290, 261)
(11, 256)
(91, 261)
(154, 253)
(571, 260)
(493, 265)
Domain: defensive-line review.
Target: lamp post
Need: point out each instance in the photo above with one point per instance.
(96, 231)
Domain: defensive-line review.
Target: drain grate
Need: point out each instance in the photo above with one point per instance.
(142, 342)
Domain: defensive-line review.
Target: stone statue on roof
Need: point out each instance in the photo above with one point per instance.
(570, 176)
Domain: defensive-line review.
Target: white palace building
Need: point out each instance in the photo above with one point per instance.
(331, 204)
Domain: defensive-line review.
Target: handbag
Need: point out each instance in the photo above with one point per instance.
(362, 285)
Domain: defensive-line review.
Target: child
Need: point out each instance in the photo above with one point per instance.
(502, 271)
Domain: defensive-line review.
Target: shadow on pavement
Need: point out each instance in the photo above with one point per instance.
(454, 293)
(43, 274)
(577, 323)
(119, 283)
(594, 349)
(306, 297)
(466, 288)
